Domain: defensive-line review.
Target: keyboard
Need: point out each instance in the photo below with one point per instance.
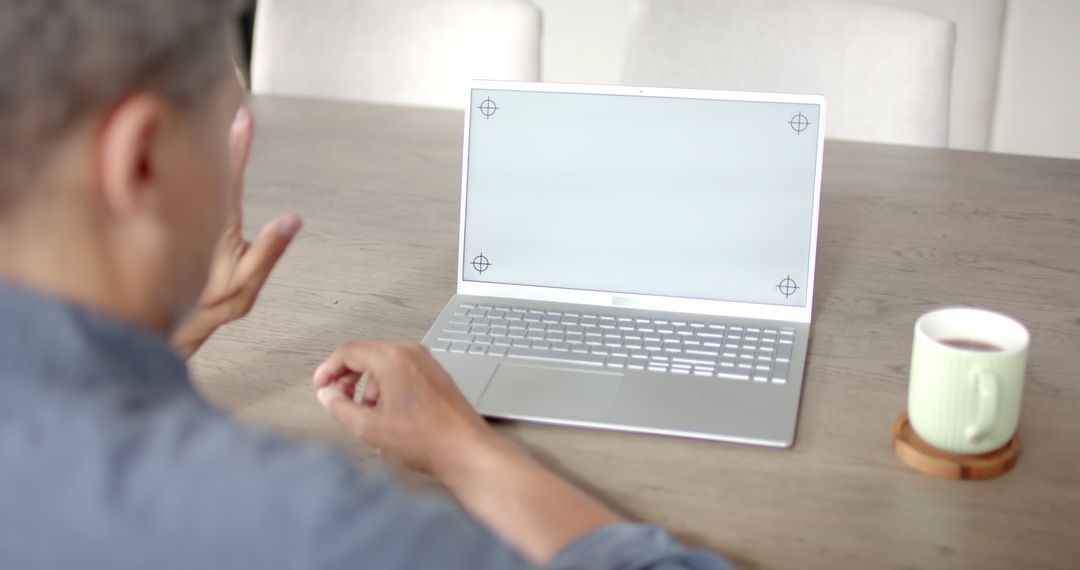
(678, 346)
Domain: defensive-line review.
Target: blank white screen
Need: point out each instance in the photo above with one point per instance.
(696, 198)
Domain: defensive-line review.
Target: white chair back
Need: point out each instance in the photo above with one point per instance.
(410, 52)
(885, 71)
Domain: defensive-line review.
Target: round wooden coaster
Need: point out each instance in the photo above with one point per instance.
(914, 451)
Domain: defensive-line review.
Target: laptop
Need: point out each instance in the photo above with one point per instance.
(636, 259)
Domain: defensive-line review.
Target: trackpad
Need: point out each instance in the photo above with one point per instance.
(537, 392)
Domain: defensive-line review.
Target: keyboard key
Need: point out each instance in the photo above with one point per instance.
(497, 351)
(455, 337)
(579, 348)
(483, 339)
(521, 343)
(562, 357)
(732, 375)
(477, 349)
(616, 362)
(680, 370)
(780, 373)
(459, 347)
(783, 352)
(694, 359)
(598, 350)
(560, 346)
(439, 346)
(502, 341)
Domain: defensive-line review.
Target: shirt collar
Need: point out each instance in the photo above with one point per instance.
(46, 338)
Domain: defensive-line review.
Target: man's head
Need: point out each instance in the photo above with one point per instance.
(114, 142)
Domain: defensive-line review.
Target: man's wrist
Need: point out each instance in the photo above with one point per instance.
(464, 463)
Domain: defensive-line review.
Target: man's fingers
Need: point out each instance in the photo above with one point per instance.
(259, 259)
(355, 357)
(355, 418)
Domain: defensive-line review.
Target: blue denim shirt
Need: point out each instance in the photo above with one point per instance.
(109, 459)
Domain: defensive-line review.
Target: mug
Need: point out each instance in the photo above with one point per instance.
(967, 376)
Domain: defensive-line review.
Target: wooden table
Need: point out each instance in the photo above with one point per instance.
(903, 230)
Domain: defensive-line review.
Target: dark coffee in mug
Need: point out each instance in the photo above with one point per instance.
(969, 344)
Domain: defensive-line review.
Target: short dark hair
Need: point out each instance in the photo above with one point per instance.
(63, 59)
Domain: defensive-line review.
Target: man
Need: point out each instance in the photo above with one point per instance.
(123, 139)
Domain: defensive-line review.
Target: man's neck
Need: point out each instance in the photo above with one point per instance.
(59, 256)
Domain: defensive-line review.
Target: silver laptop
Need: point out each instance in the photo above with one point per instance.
(636, 259)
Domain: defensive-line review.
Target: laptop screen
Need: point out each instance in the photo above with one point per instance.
(694, 198)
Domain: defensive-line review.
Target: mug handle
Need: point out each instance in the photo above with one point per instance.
(985, 384)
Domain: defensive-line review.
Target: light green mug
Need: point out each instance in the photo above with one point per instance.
(967, 377)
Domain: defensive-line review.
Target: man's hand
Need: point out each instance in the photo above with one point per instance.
(413, 413)
(410, 408)
(239, 268)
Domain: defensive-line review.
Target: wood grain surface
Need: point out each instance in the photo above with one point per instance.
(903, 231)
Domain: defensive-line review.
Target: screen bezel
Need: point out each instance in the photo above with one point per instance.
(651, 302)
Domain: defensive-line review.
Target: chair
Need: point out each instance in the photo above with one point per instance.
(885, 71)
(414, 52)
(979, 26)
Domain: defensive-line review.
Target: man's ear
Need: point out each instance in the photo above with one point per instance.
(129, 151)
